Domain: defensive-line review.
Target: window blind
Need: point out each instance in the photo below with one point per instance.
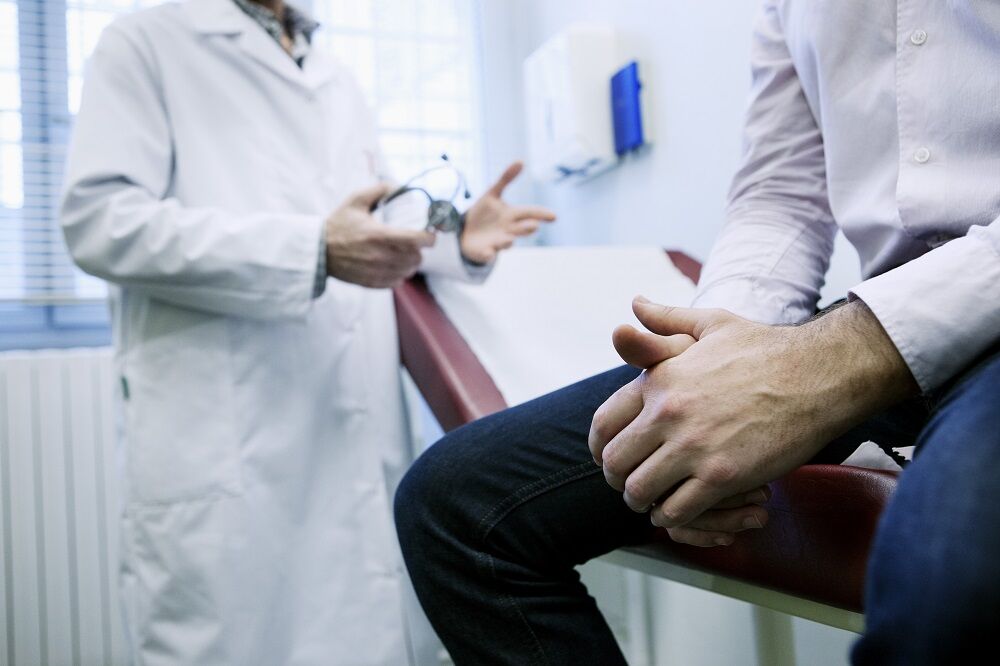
(43, 46)
(415, 61)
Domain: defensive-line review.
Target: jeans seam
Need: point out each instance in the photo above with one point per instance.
(512, 603)
(530, 491)
(500, 510)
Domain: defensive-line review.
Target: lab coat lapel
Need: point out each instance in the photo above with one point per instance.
(318, 69)
(223, 17)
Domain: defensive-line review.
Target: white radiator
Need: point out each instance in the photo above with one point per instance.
(58, 510)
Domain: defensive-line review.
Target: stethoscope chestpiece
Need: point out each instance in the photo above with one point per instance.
(442, 215)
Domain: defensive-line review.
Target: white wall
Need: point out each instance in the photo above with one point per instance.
(694, 64)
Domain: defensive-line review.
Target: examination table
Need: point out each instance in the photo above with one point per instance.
(808, 561)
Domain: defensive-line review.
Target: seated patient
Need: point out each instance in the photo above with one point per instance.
(881, 118)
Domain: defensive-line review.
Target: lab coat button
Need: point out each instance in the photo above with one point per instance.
(922, 155)
(918, 37)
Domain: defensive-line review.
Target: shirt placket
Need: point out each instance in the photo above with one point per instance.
(916, 148)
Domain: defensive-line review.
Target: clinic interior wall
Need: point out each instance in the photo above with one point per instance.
(694, 59)
(695, 66)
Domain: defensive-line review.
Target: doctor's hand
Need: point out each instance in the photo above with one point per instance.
(492, 225)
(742, 405)
(362, 251)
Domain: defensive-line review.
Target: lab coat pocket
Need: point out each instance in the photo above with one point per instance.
(179, 416)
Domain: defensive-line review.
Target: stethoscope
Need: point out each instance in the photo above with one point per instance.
(442, 215)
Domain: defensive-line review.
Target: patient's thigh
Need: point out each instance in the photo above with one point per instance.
(526, 443)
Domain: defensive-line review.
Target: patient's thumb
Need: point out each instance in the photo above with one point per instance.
(644, 350)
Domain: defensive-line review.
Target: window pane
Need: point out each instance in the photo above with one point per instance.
(439, 17)
(10, 127)
(8, 36)
(415, 61)
(11, 196)
(10, 90)
(11, 180)
(356, 14)
(399, 16)
(444, 70)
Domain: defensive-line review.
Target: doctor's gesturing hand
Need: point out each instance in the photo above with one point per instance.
(361, 250)
(726, 405)
(492, 225)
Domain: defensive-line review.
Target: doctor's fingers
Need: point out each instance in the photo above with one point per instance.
(505, 179)
(524, 227)
(404, 240)
(618, 411)
(369, 196)
(389, 276)
(539, 213)
(644, 350)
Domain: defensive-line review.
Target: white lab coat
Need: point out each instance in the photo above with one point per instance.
(264, 431)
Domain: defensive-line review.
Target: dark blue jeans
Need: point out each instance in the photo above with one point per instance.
(494, 518)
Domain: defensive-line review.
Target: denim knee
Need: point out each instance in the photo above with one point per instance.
(429, 500)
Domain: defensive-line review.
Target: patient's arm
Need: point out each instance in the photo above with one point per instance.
(768, 263)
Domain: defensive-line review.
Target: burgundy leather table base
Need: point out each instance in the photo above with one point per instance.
(823, 517)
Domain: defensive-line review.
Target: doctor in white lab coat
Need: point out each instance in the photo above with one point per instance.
(264, 428)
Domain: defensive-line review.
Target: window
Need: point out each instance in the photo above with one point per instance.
(414, 59)
(44, 300)
(416, 63)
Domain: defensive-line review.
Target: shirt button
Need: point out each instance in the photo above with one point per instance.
(918, 37)
(922, 155)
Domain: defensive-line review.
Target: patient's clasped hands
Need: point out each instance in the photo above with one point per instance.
(726, 405)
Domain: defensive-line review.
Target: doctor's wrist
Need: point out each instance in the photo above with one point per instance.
(470, 263)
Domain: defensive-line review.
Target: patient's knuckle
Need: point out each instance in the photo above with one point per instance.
(614, 462)
(671, 406)
(670, 516)
(599, 426)
(637, 487)
(720, 472)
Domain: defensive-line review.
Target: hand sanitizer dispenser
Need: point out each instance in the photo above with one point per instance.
(569, 113)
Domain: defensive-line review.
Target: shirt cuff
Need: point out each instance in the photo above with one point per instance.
(745, 297)
(941, 310)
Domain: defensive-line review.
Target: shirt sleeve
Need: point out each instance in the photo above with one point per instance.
(120, 224)
(942, 309)
(769, 262)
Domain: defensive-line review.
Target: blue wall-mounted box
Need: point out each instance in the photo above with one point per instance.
(626, 109)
